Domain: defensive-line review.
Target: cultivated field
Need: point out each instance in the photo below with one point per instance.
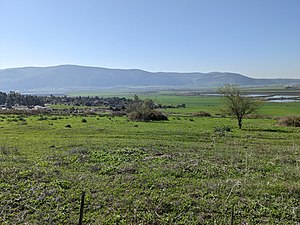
(188, 170)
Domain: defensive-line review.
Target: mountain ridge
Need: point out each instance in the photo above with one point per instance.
(89, 77)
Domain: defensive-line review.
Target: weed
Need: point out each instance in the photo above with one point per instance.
(41, 118)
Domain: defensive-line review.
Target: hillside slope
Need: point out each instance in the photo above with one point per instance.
(66, 77)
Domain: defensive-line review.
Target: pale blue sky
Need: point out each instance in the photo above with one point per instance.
(257, 38)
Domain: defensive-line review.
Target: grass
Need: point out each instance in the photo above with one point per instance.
(179, 171)
(209, 104)
(280, 109)
(187, 170)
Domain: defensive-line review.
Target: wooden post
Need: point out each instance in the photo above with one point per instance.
(81, 208)
(232, 215)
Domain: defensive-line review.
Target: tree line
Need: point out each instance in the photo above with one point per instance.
(14, 98)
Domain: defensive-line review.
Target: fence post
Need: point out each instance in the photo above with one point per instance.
(81, 208)
(232, 215)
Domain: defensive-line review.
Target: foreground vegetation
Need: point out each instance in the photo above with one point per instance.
(187, 170)
(195, 168)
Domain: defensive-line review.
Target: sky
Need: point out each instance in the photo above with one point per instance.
(257, 38)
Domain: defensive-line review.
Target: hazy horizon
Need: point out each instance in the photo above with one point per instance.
(259, 39)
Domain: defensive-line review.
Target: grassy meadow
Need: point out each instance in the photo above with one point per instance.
(210, 104)
(188, 170)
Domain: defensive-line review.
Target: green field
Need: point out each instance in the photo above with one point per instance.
(181, 171)
(212, 105)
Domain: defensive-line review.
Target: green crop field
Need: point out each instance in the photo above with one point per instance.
(188, 170)
(210, 104)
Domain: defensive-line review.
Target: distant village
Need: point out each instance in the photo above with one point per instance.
(14, 102)
(24, 107)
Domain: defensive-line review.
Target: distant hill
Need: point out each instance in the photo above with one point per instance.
(66, 77)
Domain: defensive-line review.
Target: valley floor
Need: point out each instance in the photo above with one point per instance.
(181, 171)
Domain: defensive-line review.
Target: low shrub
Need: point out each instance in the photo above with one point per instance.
(13, 120)
(289, 121)
(139, 110)
(222, 129)
(201, 114)
(21, 118)
(23, 123)
(149, 115)
(42, 118)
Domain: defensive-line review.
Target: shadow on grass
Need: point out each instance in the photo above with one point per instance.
(271, 130)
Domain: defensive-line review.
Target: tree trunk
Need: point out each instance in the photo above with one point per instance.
(240, 122)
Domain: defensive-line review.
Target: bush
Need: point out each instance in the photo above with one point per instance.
(21, 118)
(144, 111)
(201, 114)
(151, 115)
(290, 121)
(84, 120)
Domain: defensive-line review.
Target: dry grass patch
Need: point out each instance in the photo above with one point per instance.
(289, 121)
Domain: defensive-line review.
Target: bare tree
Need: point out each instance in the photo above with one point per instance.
(236, 103)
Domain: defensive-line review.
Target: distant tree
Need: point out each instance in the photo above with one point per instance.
(135, 105)
(2, 98)
(139, 110)
(236, 103)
